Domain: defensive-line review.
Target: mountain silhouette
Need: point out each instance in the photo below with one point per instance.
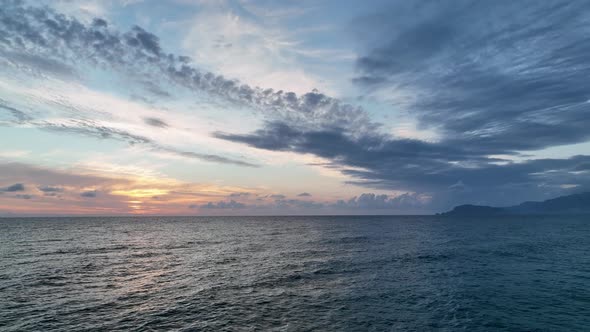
(571, 204)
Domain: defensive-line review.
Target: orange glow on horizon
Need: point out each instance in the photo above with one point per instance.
(140, 193)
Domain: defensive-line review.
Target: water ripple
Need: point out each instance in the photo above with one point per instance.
(294, 274)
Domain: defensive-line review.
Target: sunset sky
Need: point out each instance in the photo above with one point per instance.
(245, 107)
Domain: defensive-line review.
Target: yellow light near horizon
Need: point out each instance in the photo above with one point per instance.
(140, 193)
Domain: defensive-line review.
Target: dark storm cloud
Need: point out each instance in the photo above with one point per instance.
(501, 74)
(13, 188)
(43, 33)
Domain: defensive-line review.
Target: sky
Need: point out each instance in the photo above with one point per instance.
(259, 107)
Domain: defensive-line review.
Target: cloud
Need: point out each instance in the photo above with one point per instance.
(205, 157)
(24, 196)
(89, 194)
(220, 205)
(233, 38)
(155, 122)
(18, 115)
(298, 205)
(241, 194)
(364, 203)
(304, 195)
(384, 162)
(42, 64)
(505, 76)
(491, 79)
(42, 32)
(102, 190)
(13, 188)
(278, 196)
(50, 189)
(370, 201)
(45, 177)
(93, 129)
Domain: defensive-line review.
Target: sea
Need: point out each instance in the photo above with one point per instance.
(354, 273)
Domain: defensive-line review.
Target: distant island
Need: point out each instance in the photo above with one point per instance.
(571, 204)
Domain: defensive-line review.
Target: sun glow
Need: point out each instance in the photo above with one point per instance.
(141, 193)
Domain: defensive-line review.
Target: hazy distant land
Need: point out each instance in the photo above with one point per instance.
(571, 204)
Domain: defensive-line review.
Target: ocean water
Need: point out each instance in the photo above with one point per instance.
(295, 274)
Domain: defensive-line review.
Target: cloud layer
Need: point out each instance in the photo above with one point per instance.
(494, 79)
(49, 35)
(503, 75)
(496, 82)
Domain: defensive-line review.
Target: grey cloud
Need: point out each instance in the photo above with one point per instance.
(155, 122)
(494, 78)
(50, 189)
(43, 33)
(18, 115)
(304, 195)
(240, 194)
(92, 129)
(298, 204)
(337, 144)
(45, 177)
(89, 194)
(23, 196)
(220, 205)
(41, 63)
(89, 128)
(372, 201)
(148, 41)
(384, 162)
(205, 157)
(13, 188)
(365, 203)
(155, 89)
(504, 75)
(278, 196)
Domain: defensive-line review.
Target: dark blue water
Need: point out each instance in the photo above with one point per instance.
(295, 274)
